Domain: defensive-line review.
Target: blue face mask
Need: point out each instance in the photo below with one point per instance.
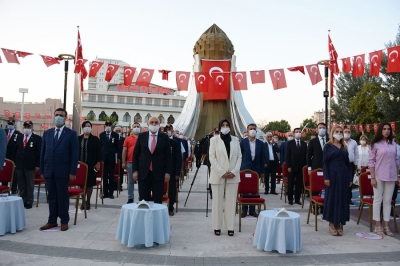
(11, 127)
(59, 121)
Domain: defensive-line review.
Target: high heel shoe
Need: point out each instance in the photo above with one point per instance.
(217, 232)
(333, 232)
(387, 231)
(230, 232)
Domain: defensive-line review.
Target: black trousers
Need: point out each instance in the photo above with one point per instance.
(150, 184)
(26, 185)
(172, 192)
(108, 177)
(198, 161)
(270, 170)
(298, 176)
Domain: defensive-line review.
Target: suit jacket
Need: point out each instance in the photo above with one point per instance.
(221, 164)
(315, 153)
(247, 162)
(161, 157)
(3, 147)
(29, 157)
(295, 159)
(109, 147)
(59, 158)
(282, 152)
(12, 144)
(275, 150)
(121, 141)
(93, 151)
(176, 157)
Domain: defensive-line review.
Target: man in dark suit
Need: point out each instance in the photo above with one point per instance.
(252, 158)
(296, 159)
(109, 155)
(270, 163)
(12, 135)
(3, 147)
(176, 159)
(315, 148)
(58, 164)
(282, 148)
(151, 162)
(121, 141)
(27, 161)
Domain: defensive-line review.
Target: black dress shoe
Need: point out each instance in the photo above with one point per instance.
(129, 201)
(28, 206)
(105, 197)
(290, 202)
(254, 214)
(111, 197)
(273, 193)
(266, 193)
(298, 202)
(244, 214)
(171, 213)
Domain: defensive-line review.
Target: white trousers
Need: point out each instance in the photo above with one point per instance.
(383, 193)
(230, 205)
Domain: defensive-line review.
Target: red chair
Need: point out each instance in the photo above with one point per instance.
(38, 181)
(248, 186)
(364, 169)
(279, 174)
(285, 182)
(317, 184)
(306, 184)
(116, 177)
(77, 187)
(7, 176)
(99, 184)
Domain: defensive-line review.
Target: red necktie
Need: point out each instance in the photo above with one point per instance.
(25, 140)
(9, 136)
(153, 147)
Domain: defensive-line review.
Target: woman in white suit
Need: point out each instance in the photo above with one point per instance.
(225, 159)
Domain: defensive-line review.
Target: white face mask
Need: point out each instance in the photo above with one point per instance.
(252, 133)
(108, 129)
(169, 133)
(363, 142)
(297, 135)
(289, 138)
(181, 136)
(27, 131)
(322, 131)
(136, 130)
(338, 136)
(154, 129)
(87, 130)
(346, 135)
(225, 130)
(276, 140)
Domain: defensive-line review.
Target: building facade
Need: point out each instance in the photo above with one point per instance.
(319, 116)
(98, 83)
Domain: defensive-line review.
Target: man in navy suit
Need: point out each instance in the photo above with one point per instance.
(109, 155)
(27, 161)
(253, 159)
(270, 163)
(12, 135)
(58, 163)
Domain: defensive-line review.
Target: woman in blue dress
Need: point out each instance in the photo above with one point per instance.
(338, 178)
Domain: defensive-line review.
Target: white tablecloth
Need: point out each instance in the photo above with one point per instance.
(12, 215)
(278, 233)
(143, 226)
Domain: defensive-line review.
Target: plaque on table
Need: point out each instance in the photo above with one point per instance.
(282, 213)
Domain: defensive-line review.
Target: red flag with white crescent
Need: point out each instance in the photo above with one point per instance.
(298, 68)
(23, 54)
(218, 79)
(37, 115)
(182, 80)
(361, 128)
(79, 65)
(49, 61)
(393, 126)
(368, 128)
(7, 113)
(0, 60)
(129, 72)
(375, 59)
(201, 81)
(331, 88)
(239, 81)
(144, 77)
(10, 55)
(78, 53)
(332, 51)
(358, 65)
(48, 115)
(314, 73)
(18, 115)
(111, 70)
(375, 127)
(393, 64)
(94, 68)
(278, 78)
(27, 116)
(257, 76)
(346, 65)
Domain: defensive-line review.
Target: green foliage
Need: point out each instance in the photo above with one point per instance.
(308, 123)
(113, 119)
(90, 117)
(281, 126)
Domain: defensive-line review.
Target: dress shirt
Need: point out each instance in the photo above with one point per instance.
(190, 146)
(363, 153)
(10, 132)
(271, 153)
(27, 137)
(253, 148)
(383, 157)
(59, 132)
(151, 138)
(352, 149)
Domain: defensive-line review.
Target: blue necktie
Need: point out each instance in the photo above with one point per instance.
(56, 137)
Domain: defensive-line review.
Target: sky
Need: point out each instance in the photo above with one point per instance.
(161, 35)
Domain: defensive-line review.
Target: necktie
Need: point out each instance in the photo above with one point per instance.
(323, 142)
(298, 146)
(25, 140)
(56, 136)
(108, 136)
(153, 147)
(9, 136)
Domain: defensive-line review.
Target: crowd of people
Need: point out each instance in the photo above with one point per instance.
(158, 155)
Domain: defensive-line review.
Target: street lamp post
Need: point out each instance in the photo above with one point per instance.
(23, 91)
(326, 91)
(66, 58)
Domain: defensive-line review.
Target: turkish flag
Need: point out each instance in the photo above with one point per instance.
(48, 115)
(18, 115)
(358, 65)
(144, 77)
(182, 80)
(7, 113)
(201, 81)
(278, 78)
(111, 70)
(346, 65)
(27, 116)
(79, 54)
(49, 61)
(94, 68)
(0, 60)
(331, 87)
(332, 51)
(368, 128)
(37, 115)
(218, 79)
(333, 66)
(11, 56)
(164, 74)
(43, 126)
(79, 65)
(375, 59)
(393, 59)
(393, 126)
(298, 68)
(239, 81)
(313, 73)
(22, 54)
(361, 128)
(83, 74)
(257, 76)
(375, 127)
(129, 72)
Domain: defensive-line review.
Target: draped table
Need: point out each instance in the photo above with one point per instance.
(12, 215)
(143, 226)
(278, 232)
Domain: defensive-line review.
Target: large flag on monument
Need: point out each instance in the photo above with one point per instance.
(218, 73)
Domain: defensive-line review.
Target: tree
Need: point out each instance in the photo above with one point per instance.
(113, 119)
(90, 117)
(308, 123)
(281, 126)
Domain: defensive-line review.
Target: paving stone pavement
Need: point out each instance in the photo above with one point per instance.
(192, 242)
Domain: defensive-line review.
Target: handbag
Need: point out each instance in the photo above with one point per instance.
(355, 178)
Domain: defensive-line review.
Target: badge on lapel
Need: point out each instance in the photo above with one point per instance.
(15, 138)
(31, 145)
(112, 140)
